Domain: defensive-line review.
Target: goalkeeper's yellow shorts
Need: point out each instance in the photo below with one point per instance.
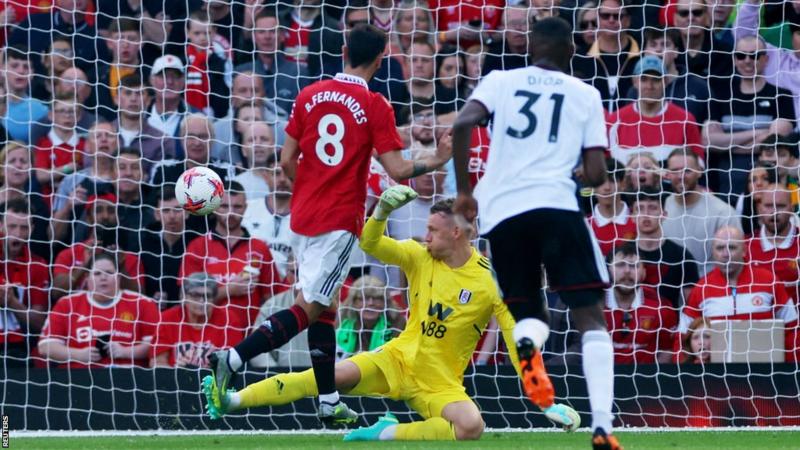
(383, 374)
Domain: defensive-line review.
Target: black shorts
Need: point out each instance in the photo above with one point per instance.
(558, 239)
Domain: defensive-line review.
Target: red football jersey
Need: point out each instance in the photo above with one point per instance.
(75, 255)
(296, 39)
(31, 278)
(337, 124)
(780, 260)
(77, 320)
(197, 82)
(451, 14)
(639, 333)
(478, 154)
(210, 254)
(630, 131)
(189, 344)
(611, 232)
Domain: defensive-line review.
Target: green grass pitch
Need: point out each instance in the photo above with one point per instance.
(711, 440)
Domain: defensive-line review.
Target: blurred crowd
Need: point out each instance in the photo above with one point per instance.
(105, 103)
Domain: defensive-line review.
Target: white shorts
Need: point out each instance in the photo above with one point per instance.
(323, 262)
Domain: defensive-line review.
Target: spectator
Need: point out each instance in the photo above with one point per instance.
(168, 106)
(207, 88)
(22, 110)
(365, 322)
(413, 22)
(312, 38)
(783, 152)
(61, 151)
(466, 23)
(248, 95)
(131, 125)
(190, 332)
(58, 58)
(66, 18)
(134, 214)
(73, 83)
(125, 45)
(738, 290)
(71, 264)
(282, 76)
(511, 51)
(164, 244)
(24, 280)
(721, 23)
(475, 57)
(642, 171)
(782, 67)
(761, 179)
(450, 70)
(242, 265)
(701, 53)
(4, 138)
(258, 144)
(682, 88)
(101, 146)
(102, 326)
(775, 246)
(693, 216)
(696, 343)
(640, 325)
(611, 219)
(267, 218)
(197, 133)
(749, 111)
(652, 124)
(17, 185)
(669, 267)
(586, 27)
(421, 84)
(609, 63)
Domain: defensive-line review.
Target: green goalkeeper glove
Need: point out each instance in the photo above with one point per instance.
(391, 199)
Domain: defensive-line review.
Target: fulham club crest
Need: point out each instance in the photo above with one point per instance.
(464, 297)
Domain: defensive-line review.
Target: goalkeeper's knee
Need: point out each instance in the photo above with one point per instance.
(469, 428)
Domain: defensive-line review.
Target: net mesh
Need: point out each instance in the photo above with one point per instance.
(107, 103)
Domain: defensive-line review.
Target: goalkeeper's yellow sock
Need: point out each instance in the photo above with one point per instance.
(278, 390)
(433, 429)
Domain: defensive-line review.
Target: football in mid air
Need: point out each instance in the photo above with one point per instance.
(199, 191)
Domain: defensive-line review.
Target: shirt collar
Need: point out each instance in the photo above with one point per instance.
(611, 301)
(57, 141)
(766, 245)
(620, 219)
(347, 78)
(664, 107)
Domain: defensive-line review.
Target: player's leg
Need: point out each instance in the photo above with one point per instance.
(516, 257)
(576, 269)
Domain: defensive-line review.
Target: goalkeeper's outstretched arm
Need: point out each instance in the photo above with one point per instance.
(375, 242)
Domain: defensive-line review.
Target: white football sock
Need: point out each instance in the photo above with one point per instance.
(598, 368)
(331, 399)
(234, 360)
(533, 329)
(234, 400)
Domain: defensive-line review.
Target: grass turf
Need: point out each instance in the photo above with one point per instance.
(750, 440)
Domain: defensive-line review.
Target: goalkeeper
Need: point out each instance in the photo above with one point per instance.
(452, 297)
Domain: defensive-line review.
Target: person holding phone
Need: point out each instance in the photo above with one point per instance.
(102, 326)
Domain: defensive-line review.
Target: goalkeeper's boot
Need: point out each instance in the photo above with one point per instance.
(563, 416)
(372, 432)
(603, 441)
(223, 375)
(216, 404)
(535, 381)
(336, 415)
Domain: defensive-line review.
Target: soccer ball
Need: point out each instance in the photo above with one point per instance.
(199, 191)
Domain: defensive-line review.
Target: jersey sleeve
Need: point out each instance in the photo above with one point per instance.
(295, 125)
(486, 93)
(691, 310)
(64, 261)
(506, 323)
(192, 260)
(385, 137)
(388, 250)
(149, 317)
(56, 327)
(595, 134)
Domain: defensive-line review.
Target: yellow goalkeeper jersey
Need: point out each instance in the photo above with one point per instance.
(448, 309)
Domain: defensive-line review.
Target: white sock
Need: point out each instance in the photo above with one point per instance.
(234, 360)
(331, 399)
(533, 329)
(388, 433)
(234, 400)
(598, 368)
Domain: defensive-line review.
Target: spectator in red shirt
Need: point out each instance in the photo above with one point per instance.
(206, 86)
(69, 269)
(642, 170)
(776, 245)
(104, 325)
(466, 23)
(61, 151)
(611, 220)
(24, 280)
(739, 290)
(651, 123)
(242, 265)
(696, 343)
(641, 327)
(188, 333)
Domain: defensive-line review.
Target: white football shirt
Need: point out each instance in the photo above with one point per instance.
(542, 121)
(271, 228)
